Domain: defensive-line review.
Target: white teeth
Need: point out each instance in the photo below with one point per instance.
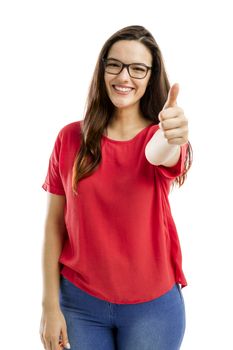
(122, 88)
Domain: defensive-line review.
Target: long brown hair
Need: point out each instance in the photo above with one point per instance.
(99, 108)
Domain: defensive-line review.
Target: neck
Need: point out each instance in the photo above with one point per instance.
(124, 119)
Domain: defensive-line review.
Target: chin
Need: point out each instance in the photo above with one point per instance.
(123, 104)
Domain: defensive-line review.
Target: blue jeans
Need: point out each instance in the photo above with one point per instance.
(95, 324)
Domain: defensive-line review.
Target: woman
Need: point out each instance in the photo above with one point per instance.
(112, 264)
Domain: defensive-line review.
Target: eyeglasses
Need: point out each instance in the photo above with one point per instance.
(135, 70)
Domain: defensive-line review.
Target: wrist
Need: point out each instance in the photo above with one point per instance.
(48, 304)
(159, 151)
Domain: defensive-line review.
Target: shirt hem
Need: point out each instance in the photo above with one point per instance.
(114, 301)
(47, 187)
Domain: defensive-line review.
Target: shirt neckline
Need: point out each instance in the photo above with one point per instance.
(130, 140)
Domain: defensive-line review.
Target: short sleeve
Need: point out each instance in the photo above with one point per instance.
(53, 180)
(177, 169)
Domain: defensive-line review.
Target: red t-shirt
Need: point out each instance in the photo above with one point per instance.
(122, 244)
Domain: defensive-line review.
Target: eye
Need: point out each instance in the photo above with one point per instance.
(112, 64)
(138, 68)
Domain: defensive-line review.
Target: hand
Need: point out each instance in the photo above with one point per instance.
(53, 331)
(173, 122)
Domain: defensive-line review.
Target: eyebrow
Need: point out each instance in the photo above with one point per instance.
(115, 59)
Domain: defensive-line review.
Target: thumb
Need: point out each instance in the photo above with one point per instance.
(65, 340)
(172, 96)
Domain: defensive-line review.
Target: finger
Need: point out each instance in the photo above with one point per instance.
(177, 132)
(57, 345)
(42, 340)
(42, 335)
(48, 345)
(171, 112)
(172, 123)
(54, 345)
(177, 141)
(64, 337)
(60, 346)
(172, 96)
(44, 344)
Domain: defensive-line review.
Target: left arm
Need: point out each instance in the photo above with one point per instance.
(159, 152)
(164, 147)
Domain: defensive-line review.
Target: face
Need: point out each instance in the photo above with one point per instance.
(124, 91)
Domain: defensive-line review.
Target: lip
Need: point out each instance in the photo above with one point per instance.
(122, 92)
(123, 86)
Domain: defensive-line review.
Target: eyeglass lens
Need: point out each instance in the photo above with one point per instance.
(135, 70)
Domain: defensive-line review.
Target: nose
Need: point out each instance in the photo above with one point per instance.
(124, 74)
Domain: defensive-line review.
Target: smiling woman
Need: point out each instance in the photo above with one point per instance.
(119, 259)
(119, 104)
(121, 72)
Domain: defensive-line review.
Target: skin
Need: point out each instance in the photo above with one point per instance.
(53, 330)
(173, 121)
(127, 119)
(164, 146)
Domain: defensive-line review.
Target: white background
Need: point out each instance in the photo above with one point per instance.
(48, 53)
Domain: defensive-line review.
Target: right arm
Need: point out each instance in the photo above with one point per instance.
(54, 234)
(53, 324)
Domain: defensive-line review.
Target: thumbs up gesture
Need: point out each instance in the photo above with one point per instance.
(173, 122)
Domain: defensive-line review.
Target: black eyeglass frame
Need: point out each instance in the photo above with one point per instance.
(127, 66)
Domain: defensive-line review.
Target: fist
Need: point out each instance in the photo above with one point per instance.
(173, 122)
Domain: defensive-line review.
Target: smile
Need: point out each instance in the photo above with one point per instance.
(122, 90)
